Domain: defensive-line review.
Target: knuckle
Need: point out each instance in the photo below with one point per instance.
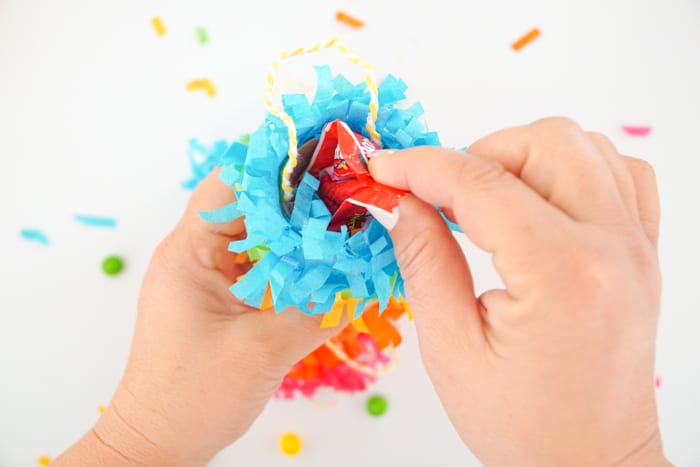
(167, 251)
(641, 167)
(601, 139)
(557, 124)
(479, 171)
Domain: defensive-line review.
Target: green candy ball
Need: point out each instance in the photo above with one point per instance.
(112, 265)
(377, 405)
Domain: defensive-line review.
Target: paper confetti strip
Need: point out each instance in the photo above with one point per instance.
(202, 35)
(43, 460)
(202, 84)
(526, 39)
(158, 26)
(636, 130)
(349, 20)
(96, 221)
(34, 235)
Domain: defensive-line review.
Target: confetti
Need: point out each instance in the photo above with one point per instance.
(657, 382)
(377, 405)
(101, 408)
(203, 159)
(158, 26)
(112, 265)
(202, 35)
(526, 39)
(202, 84)
(96, 221)
(349, 20)
(634, 130)
(290, 444)
(352, 359)
(43, 460)
(34, 235)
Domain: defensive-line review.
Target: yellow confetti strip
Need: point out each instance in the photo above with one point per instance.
(43, 460)
(202, 84)
(407, 307)
(333, 317)
(344, 302)
(370, 80)
(533, 34)
(158, 26)
(359, 325)
(349, 20)
(101, 408)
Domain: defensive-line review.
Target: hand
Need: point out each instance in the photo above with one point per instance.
(557, 368)
(202, 365)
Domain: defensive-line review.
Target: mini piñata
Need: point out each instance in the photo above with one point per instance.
(310, 210)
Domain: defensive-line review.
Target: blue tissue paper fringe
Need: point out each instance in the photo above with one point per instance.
(305, 263)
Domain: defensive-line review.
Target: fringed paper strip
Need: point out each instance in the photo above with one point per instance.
(304, 263)
(350, 361)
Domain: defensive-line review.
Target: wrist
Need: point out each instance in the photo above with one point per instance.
(139, 429)
(117, 437)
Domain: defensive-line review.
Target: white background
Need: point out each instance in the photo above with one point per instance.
(94, 118)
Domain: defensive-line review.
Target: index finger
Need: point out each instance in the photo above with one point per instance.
(494, 208)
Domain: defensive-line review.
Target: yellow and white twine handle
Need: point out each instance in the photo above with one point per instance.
(366, 369)
(370, 80)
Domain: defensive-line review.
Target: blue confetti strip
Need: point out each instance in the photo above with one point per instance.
(96, 221)
(204, 159)
(304, 263)
(34, 235)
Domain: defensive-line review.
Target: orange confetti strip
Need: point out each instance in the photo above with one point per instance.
(349, 20)
(202, 84)
(158, 26)
(526, 39)
(43, 460)
(382, 330)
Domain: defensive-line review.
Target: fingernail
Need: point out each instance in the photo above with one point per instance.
(387, 219)
(381, 152)
(375, 156)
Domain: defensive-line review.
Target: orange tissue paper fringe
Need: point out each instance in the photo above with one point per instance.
(352, 359)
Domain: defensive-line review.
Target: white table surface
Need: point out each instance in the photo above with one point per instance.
(94, 118)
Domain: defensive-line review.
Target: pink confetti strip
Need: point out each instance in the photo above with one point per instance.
(636, 130)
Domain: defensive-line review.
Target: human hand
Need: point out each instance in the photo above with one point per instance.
(557, 368)
(202, 365)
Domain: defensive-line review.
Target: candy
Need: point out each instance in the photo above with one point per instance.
(290, 444)
(112, 265)
(377, 405)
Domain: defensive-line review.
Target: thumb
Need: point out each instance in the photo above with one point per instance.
(438, 281)
(211, 207)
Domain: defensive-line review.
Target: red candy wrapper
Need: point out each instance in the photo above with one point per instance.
(350, 193)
